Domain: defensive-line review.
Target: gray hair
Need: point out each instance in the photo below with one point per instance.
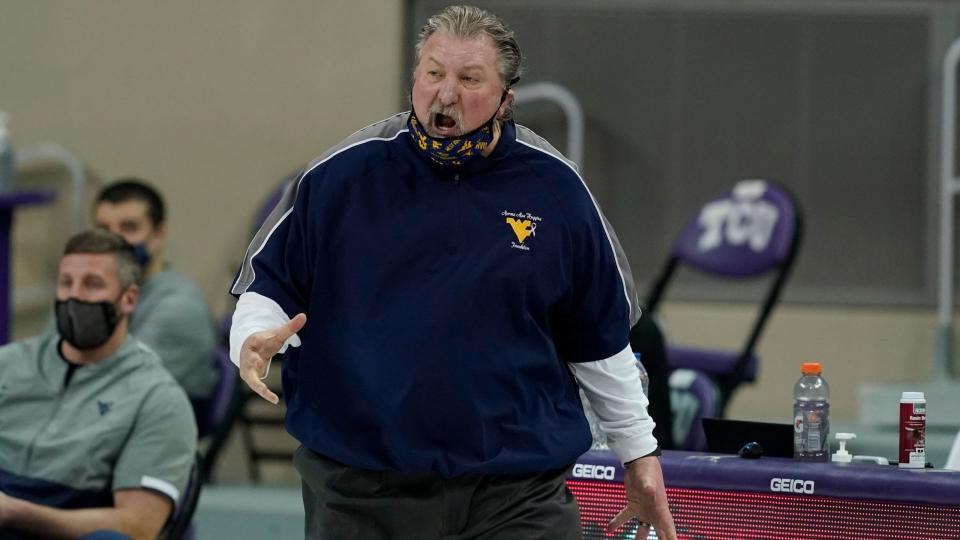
(99, 242)
(468, 21)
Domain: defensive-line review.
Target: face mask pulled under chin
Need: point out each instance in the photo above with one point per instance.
(85, 325)
(451, 151)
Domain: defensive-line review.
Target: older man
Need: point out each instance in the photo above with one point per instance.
(459, 281)
(94, 433)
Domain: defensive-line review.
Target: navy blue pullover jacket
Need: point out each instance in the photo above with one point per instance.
(442, 305)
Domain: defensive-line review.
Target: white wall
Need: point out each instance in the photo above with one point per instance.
(855, 346)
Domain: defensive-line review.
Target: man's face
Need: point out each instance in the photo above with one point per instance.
(456, 85)
(93, 278)
(130, 220)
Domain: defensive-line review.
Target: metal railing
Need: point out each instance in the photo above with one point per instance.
(568, 103)
(949, 187)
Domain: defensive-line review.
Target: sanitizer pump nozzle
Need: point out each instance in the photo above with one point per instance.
(841, 455)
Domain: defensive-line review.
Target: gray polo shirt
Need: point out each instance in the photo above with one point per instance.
(120, 423)
(172, 318)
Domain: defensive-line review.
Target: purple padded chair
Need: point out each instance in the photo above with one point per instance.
(750, 232)
(693, 396)
(180, 526)
(218, 415)
(211, 411)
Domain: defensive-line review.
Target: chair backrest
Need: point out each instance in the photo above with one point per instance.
(752, 230)
(226, 382)
(211, 411)
(219, 415)
(748, 231)
(179, 522)
(693, 397)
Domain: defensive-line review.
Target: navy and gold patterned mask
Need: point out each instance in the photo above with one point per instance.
(451, 151)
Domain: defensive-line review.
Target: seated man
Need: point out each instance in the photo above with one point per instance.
(94, 433)
(171, 316)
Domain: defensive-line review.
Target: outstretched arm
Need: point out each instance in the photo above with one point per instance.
(260, 330)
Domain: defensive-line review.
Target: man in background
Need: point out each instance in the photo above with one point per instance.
(171, 316)
(94, 433)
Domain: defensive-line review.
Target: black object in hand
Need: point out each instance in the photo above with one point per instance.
(751, 450)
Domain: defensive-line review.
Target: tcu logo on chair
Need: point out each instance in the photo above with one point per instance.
(743, 219)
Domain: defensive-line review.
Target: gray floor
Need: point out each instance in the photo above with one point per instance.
(249, 513)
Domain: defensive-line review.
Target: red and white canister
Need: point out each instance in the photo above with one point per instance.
(913, 430)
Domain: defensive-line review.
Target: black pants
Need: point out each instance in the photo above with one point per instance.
(343, 502)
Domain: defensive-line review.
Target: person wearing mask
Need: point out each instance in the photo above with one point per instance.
(171, 316)
(94, 432)
(444, 281)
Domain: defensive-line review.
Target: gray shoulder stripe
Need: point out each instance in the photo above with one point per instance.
(385, 130)
(529, 139)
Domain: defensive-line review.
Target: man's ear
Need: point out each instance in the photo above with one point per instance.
(505, 106)
(160, 230)
(158, 242)
(128, 299)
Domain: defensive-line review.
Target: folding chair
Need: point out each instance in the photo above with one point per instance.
(750, 232)
(219, 412)
(178, 526)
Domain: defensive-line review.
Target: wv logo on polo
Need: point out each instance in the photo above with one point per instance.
(522, 228)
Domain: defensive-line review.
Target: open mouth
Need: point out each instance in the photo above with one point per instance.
(443, 122)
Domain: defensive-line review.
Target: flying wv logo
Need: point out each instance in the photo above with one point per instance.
(523, 225)
(104, 406)
(522, 228)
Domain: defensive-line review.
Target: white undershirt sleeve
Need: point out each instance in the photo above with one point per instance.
(255, 313)
(613, 388)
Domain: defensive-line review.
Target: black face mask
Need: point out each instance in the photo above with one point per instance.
(85, 325)
(142, 254)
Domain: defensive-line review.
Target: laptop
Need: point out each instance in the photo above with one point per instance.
(726, 436)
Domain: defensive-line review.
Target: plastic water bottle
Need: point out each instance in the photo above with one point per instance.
(811, 415)
(6, 156)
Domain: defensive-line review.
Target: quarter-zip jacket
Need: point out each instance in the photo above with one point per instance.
(442, 305)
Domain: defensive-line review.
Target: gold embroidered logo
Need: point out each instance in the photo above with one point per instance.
(523, 225)
(522, 228)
